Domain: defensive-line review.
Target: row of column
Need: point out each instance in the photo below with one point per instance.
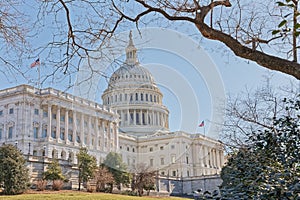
(208, 156)
(143, 117)
(132, 97)
(89, 135)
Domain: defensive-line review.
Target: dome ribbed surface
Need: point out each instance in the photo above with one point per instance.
(132, 74)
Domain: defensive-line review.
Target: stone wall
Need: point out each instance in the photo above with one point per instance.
(186, 186)
(165, 185)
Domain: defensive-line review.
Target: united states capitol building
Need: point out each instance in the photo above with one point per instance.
(48, 124)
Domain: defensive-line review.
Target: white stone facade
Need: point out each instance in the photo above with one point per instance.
(173, 154)
(47, 123)
(144, 126)
(54, 124)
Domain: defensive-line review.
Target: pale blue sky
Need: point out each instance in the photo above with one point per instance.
(190, 98)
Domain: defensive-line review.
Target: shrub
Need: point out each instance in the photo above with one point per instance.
(90, 188)
(57, 185)
(41, 185)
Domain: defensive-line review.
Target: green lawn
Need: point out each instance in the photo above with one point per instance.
(82, 196)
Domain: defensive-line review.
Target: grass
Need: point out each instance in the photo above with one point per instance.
(80, 196)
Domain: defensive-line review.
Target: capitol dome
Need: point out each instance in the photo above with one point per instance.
(131, 74)
(132, 91)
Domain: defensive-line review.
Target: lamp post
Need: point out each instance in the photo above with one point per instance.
(44, 154)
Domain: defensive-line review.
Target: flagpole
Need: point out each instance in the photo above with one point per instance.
(39, 78)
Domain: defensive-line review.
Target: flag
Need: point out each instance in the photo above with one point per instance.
(201, 124)
(35, 63)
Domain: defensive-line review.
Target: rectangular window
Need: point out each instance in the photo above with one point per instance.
(0, 133)
(173, 173)
(131, 118)
(62, 118)
(10, 132)
(1, 112)
(137, 117)
(62, 134)
(146, 95)
(36, 111)
(131, 97)
(172, 146)
(44, 133)
(35, 132)
(70, 120)
(187, 160)
(151, 162)
(162, 161)
(151, 149)
(53, 133)
(70, 137)
(45, 113)
(54, 116)
(78, 138)
(11, 111)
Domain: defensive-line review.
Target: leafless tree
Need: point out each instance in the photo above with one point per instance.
(13, 37)
(143, 178)
(102, 178)
(245, 27)
(74, 32)
(255, 110)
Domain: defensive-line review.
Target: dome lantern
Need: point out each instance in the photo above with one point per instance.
(131, 56)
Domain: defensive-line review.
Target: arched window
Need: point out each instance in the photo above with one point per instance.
(63, 155)
(136, 96)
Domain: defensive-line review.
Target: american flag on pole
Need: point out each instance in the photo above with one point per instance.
(201, 124)
(35, 63)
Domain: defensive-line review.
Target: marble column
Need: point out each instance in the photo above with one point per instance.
(66, 126)
(147, 117)
(82, 129)
(103, 135)
(49, 122)
(58, 123)
(75, 126)
(89, 132)
(134, 117)
(141, 117)
(128, 117)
